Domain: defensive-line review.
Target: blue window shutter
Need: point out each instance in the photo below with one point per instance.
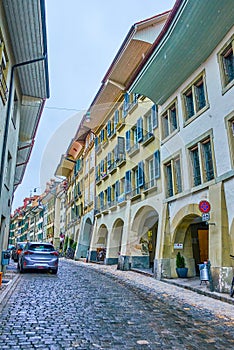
(109, 128)
(116, 153)
(140, 129)
(116, 190)
(121, 145)
(102, 166)
(128, 140)
(108, 160)
(101, 196)
(108, 194)
(116, 119)
(154, 114)
(96, 142)
(141, 176)
(126, 104)
(157, 164)
(102, 135)
(128, 185)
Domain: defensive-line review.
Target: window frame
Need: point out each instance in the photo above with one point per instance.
(229, 45)
(167, 130)
(176, 187)
(229, 120)
(199, 146)
(193, 90)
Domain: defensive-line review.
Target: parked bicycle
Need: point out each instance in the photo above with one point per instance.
(232, 285)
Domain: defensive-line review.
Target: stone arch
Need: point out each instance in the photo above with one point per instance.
(115, 242)
(143, 237)
(101, 242)
(184, 217)
(189, 231)
(85, 239)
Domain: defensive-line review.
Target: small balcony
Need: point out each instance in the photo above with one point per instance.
(134, 150)
(112, 168)
(150, 186)
(121, 160)
(149, 137)
(135, 193)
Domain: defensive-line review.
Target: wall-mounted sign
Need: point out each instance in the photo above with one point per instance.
(205, 216)
(178, 245)
(204, 206)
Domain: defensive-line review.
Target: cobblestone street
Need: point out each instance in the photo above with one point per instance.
(98, 307)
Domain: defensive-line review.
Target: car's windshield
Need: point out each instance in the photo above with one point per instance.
(41, 248)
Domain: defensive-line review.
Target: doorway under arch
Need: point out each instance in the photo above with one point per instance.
(115, 242)
(144, 237)
(85, 239)
(101, 243)
(193, 234)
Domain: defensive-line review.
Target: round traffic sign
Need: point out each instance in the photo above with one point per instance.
(204, 206)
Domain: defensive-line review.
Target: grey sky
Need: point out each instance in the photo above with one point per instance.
(83, 38)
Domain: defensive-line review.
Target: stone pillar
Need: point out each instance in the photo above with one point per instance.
(219, 239)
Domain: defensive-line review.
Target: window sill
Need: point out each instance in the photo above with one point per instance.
(105, 144)
(150, 189)
(195, 116)
(120, 126)
(227, 87)
(133, 152)
(148, 140)
(170, 136)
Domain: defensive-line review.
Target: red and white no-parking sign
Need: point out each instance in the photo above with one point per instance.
(204, 206)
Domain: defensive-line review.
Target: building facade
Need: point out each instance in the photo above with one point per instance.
(196, 134)
(23, 91)
(163, 121)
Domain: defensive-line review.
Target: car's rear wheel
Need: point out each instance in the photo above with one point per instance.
(54, 272)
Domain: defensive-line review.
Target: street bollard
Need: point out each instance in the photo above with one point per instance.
(1, 278)
(210, 277)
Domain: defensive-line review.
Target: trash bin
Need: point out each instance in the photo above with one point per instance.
(204, 272)
(6, 257)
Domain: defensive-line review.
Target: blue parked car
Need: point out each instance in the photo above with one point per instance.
(39, 256)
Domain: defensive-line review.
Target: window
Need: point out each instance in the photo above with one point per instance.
(128, 184)
(230, 130)
(226, 62)
(195, 98)
(173, 176)
(14, 110)
(3, 70)
(202, 162)
(148, 126)
(152, 170)
(169, 121)
(8, 169)
(139, 129)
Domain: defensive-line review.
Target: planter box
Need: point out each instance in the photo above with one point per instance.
(182, 272)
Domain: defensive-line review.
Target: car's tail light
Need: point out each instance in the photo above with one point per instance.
(27, 252)
(54, 253)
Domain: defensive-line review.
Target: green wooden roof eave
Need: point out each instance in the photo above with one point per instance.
(196, 30)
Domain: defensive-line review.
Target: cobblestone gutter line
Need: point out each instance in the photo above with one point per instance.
(162, 290)
(6, 291)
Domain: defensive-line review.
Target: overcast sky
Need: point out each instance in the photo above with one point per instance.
(83, 38)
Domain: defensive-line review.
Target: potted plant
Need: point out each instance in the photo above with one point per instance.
(181, 270)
